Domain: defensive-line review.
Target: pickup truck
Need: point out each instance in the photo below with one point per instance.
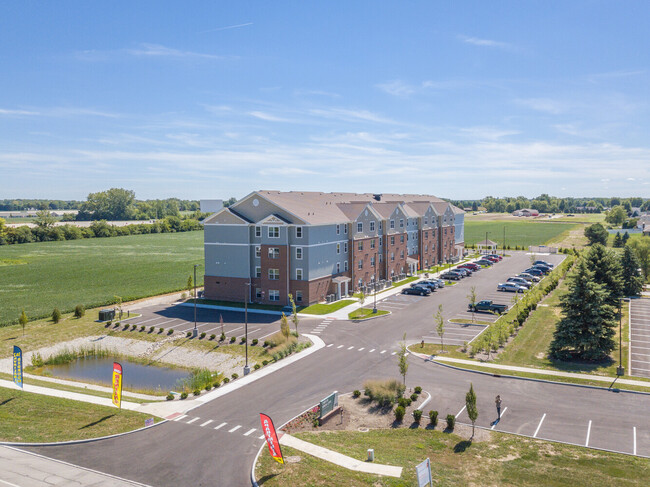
(489, 306)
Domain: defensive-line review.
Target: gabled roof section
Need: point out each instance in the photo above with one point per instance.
(353, 210)
(226, 217)
(386, 209)
(273, 220)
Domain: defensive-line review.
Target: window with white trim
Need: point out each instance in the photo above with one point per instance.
(258, 293)
(360, 264)
(401, 223)
(274, 232)
(392, 240)
(372, 243)
(258, 232)
(298, 296)
(401, 254)
(274, 253)
(392, 224)
(258, 272)
(360, 227)
(426, 220)
(345, 266)
(360, 245)
(299, 274)
(345, 228)
(372, 261)
(372, 226)
(338, 248)
(274, 295)
(392, 256)
(401, 238)
(298, 232)
(380, 258)
(338, 229)
(345, 247)
(299, 253)
(274, 274)
(258, 251)
(380, 225)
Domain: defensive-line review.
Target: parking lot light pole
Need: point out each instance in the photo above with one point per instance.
(195, 332)
(620, 370)
(374, 285)
(247, 369)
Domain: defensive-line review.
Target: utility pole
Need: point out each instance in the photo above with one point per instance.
(374, 304)
(620, 370)
(195, 332)
(504, 240)
(247, 369)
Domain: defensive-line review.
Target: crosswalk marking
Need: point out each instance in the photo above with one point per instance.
(192, 420)
(331, 344)
(362, 349)
(370, 351)
(249, 431)
(181, 417)
(394, 353)
(220, 426)
(340, 346)
(234, 429)
(383, 351)
(350, 348)
(206, 423)
(261, 437)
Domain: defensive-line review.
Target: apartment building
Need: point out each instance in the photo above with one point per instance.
(272, 243)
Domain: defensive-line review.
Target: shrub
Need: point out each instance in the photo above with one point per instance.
(233, 339)
(170, 397)
(234, 376)
(417, 415)
(213, 336)
(399, 413)
(170, 331)
(202, 336)
(79, 311)
(126, 327)
(257, 366)
(266, 343)
(152, 329)
(56, 315)
(142, 328)
(414, 397)
(402, 401)
(222, 338)
(189, 334)
(161, 330)
(384, 392)
(183, 395)
(216, 384)
(265, 362)
(254, 342)
(226, 380)
(451, 421)
(243, 339)
(356, 393)
(184, 296)
(418, 390)
(197, 392)
(433, 418)
(133, 327)
(208, 387)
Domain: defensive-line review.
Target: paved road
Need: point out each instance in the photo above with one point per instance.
(210, 446)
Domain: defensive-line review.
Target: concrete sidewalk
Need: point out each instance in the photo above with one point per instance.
(530, 370)
(340, 459)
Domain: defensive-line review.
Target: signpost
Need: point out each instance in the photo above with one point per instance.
(328, 404)
(18, 367)
(271, 438)
(423, 471)
(117, 384)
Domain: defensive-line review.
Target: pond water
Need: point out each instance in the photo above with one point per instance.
(135, 376)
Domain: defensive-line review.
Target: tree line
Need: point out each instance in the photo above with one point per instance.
(545, 203)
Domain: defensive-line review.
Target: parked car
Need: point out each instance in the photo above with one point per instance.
(543, 262)
(484, 262)
(487, 305)
(451, 275)
(521, 281)
(470, 265)
(528, 277)
(421, 290)
(468, 269)
(491, 259)
(427, 284)
(542, 268)
(439, 282)
(535, 272)
(495, 256)
(510, 287)
(462, 272)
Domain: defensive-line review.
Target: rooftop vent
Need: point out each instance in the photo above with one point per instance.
(377, 197)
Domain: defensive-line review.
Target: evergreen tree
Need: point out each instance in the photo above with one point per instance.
(607, 271)
(618, 241)
(587, 328)
(596, 233)
(626, 237)
(631, 273)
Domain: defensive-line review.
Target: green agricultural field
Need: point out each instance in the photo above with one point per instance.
(37, 277)
(517, 232)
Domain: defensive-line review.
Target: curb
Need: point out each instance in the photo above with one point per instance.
(228, 308)
(536, 380)
(78, 442)
(355, 320)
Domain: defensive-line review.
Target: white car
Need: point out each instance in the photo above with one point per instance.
(510, 287)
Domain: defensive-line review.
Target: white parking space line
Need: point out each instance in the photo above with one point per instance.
(249, 432)
(207, 423)
(350, 348)
(192, 420)
(340, 346)
(539, 426)
(636, 360)
(220, 426)
(268, 335)
(634, 440)
(234, 429)
(370, 351)
(588, 433)
(502, 413)
(362, 349)
(394, 353)
(330, 345)
(261, 437)
(181, 417)
(460, 412)
(383, 351)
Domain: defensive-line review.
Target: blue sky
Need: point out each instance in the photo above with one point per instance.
(215, 99)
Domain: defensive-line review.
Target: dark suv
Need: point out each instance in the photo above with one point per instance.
(421, 290)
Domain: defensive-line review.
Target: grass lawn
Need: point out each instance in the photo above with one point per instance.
(26, 417)
(323, 309)
(504, 460)
(92, 271)
(517, 232)
(434, 348)
(363, 313)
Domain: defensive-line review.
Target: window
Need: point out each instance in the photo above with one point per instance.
(258, 293)
(274, 295)
(298, 296)
(372, 243)
(380, 242)
(360, 245)
(338, 248)
(258, 232)
(426, 248)
(401, 238)
(392, 240)
(401, 254)
(274, 232)
(426, 234)
(392, 224)
(338, 267)
(401, 223)
(345, 266)
(360, 264)
(345, 247)
(372, 226)
(445, 231)
(274, 253)
(345, 229)
(258, 251)
(299, 274)
(338, 229)
(258, 272)
(426, 220)
(299, 253)
(380, 226)
(426, 263)
(392, 256)
(274, 274)
(298, 232)
(380, 259)
(360, 227)
(372, 261)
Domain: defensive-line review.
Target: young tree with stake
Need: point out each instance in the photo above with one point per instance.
(470, 404)
(403, 363)
(440, 327)
(472, 300)
(294, 316)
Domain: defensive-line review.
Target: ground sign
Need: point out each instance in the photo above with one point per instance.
(329, 403)
(424, 473)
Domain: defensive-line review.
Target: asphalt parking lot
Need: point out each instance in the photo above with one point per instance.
(180, 318)
(640, 337)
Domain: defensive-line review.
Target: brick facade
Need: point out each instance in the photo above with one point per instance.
(365, 256)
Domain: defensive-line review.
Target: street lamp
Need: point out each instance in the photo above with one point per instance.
(620, 370)
(247, 369)
(195, 332)
(374, 285)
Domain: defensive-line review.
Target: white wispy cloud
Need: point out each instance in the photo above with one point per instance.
(157, 50)
(6, 111)
(476, 41)
(397, 88)
(268, 117)
(546, 105)
(350, 115)
(228, 27)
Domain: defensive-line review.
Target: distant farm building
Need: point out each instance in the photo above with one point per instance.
(525, 212)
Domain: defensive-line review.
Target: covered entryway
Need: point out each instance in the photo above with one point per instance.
(341, 283)
(486, 246)
(413, 265)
